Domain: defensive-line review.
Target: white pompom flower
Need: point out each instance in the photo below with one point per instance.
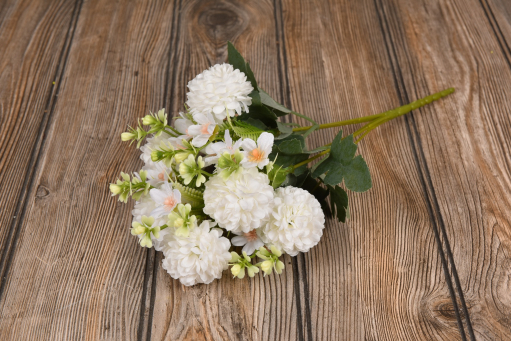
(199, 258)
(220, 90)
(214, 150)
(297, 221)
(202, 131)
(256, 154)
(166, 200)
(241, 202)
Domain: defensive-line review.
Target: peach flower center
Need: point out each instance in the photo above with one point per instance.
(161, 176)
(204, 129)
(169, 203)
(256, 155)
(251, 236)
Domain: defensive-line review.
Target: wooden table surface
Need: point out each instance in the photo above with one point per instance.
(426, 254)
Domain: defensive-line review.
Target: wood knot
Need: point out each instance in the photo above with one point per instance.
(445, 309)
(42, 192)
(222, 22)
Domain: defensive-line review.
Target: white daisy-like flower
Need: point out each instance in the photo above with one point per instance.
(202, 131)
(199, 258)
(152, 143)
(249, 240)
(181, 125)
(166, 199)
(144, 207)
(241, 202)
(158, 174)
(220, 90)
(257, 154)
(214, 150)
(297, 221)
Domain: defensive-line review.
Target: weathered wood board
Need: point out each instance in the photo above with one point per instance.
(425, 254)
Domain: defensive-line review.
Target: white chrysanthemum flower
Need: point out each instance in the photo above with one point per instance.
(249, 240)
(257, 154)
(297, 221)
(152, 143)
(158, 174)
(214, 150)
(199, 258)
(165, 198)
(202, 131)
(220, 90)
(241, 202)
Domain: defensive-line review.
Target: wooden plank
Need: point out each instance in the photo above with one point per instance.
(227, 309)
(466, 153)
(379, 276)
(77, 273)
(33, 38)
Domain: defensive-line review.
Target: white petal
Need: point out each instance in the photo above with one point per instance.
(265, 142)
(239, 241)
(248, 145)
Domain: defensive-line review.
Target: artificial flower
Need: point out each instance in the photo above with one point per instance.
(202, 131)
(296, 222)
(152, 144)
(256, 154)
(220, 90)
(199, 258)
(249, 240)
(214, 150)
(165, 198)
(158, 174)
(190, 169)
(239, 203)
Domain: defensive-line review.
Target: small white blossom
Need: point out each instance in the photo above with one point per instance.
(202, 131)
(220, 90)
(257, 154)
(214, 150)
(166, 200)
(249, 240)
(152, 144)
(240, 202)
(199, 258)
(158, 174)
(297, 221)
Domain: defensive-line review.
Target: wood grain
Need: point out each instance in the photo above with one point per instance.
(378, 276)
(33, 40)
(71, 269)
(466, 154)
(77, 273)
(228, 309)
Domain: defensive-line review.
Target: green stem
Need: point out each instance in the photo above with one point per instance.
(206, 173)
(173, 129)
(388, 115)
(311, 159)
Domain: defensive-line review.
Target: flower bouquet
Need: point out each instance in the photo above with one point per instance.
(228, 184)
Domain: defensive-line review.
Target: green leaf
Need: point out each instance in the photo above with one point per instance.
(290, 146)
(251, 78)
(357, 177)
(343, 150)
(342, 164)
(278, 108)
(235, 58)
(284, 130)
(278, 175)
(338, 202)
(245, 130)
(264, 115)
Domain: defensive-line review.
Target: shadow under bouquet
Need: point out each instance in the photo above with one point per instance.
(228, 184)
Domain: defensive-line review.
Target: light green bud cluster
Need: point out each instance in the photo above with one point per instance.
(180, 219)
(144, 231)
(230, 163)
(136, 187)
(167, 153)
(240, 263)
(271, 260)
(189, 169)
